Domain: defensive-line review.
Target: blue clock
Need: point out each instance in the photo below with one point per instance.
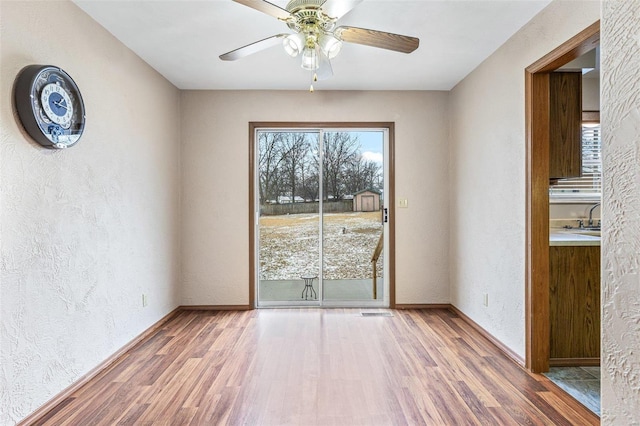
(49, 106)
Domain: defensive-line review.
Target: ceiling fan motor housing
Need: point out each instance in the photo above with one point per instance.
(294, 5)
(308, 17)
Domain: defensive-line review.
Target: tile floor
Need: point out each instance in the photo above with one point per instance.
(583, 383)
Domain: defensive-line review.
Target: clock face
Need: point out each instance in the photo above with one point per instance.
(57, 104)
(49, 106)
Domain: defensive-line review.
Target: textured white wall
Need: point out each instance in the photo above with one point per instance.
(84, 231)
(488, 173)
(216, 184)
(620, 41)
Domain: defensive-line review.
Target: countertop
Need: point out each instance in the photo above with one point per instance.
(567, 237)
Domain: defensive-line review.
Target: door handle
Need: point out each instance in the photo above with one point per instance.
(385, 215)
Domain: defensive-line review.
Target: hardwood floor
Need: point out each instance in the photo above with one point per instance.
(317, 367)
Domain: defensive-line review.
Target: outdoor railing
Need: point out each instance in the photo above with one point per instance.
(374, 261)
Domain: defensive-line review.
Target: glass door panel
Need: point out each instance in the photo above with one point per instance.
(352, 216)
(289, 219)
(310, 259)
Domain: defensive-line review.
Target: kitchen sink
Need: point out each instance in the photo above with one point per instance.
(593, 232)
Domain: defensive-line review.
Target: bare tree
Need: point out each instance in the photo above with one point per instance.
(286, 163)
(295, 148)
(270, 159)
(362, 174)
(309, 175)
(340, 150)
(290, 166)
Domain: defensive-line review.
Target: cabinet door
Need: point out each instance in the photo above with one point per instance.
(565, 151)
(574, 302)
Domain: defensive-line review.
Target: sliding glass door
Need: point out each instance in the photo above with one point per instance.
(320, 237)
(289, 216)
(352, 216)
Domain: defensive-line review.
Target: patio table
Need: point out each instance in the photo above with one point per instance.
(308, 287)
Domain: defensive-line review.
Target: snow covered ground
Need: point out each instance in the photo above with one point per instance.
(289, 245)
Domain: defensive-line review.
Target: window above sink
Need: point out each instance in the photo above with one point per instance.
(588, 187)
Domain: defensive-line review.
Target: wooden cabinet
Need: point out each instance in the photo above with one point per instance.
(574, 305)
(565, 150)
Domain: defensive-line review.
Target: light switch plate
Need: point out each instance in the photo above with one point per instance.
(403, 203)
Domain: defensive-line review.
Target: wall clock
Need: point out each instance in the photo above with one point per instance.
(49, 105)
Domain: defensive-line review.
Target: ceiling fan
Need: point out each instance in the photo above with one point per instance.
(316, 37)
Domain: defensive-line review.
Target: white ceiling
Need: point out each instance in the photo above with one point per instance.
(182, 40)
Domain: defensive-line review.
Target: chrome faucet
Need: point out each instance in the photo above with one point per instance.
(590, 222)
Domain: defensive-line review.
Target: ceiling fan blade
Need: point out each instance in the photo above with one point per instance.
(397, 42)
(339, 8)
(265, 7)
(324, 70)
(252, 48)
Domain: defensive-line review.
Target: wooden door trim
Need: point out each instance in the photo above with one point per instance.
(537, 193)
(390, 198)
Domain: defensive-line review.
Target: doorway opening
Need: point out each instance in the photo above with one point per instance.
(321, 214)
(538, 307)
(537, 113)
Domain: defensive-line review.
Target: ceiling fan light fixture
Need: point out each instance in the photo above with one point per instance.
(330, 45)
(309, 59)
(292, 45)
(316, 38)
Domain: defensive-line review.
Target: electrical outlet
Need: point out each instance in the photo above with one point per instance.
(485, 299)
(145, 301)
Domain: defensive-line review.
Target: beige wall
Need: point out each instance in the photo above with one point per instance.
(84, 231)
(487, 179)
(590, 93)
(215, 207)
(621, 210)
(573, 211)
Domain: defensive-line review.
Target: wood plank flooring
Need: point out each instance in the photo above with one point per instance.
(317, 367)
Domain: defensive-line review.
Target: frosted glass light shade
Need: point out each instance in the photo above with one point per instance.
(292, 44)
(309, 59)
(330, 45)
